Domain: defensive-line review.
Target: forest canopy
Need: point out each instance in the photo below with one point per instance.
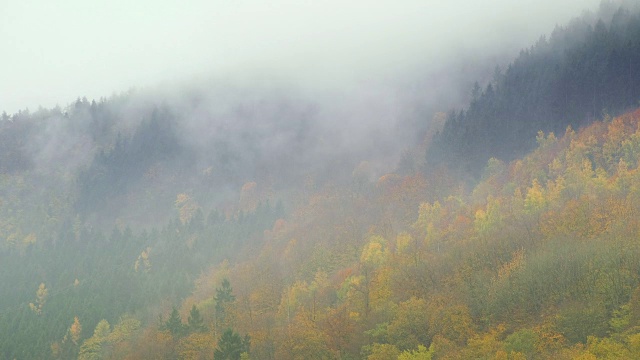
(227, 221)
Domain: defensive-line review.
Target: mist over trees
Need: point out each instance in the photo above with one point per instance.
(264, 220)
(582, 71)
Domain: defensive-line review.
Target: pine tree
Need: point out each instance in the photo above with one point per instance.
(174, 323)
(224, 297)
(231, 346)
(195, 321)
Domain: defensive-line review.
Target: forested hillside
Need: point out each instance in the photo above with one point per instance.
(113, 208)
(539, 260)
(575, 75)
(219, 221)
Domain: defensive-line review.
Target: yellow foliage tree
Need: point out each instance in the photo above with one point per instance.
(453, 322)
(374, 252)
(535, 199)
(41, 298)
(92, 348)
(197, 346)
(186, 206)
(124, 329)
(304, 340)
(383, 352)
(484, 345)
(75, 331)
(143, 262)
(608, 349)
(422, 353)
(373, 255)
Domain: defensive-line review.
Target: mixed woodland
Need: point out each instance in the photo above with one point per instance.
(136, 228)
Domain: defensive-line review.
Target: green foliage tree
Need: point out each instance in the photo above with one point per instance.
(224, 294)
(224, 298)
(174, 323)
(410, 325)
(581, 321)
(195, 322)
(231, 346)
(634, 307)
(422, 353)
(522, 341)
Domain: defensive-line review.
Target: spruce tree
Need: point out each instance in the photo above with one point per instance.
(231, 346)
(174, 323)
(195, 323)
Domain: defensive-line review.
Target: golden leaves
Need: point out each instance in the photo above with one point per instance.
(41, 298)
(186, 206)
(75, 331)
(517, 261)
(374, 252)
(535, 199)
(143, 261)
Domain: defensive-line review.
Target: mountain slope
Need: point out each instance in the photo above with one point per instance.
(540, 260)
(587, 68)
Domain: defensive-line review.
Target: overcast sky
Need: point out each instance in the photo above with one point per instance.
(54, 51)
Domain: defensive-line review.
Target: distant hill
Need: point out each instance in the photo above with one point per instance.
(128, 156)
(583, 70)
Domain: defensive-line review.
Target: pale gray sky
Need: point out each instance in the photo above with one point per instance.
(55, 51)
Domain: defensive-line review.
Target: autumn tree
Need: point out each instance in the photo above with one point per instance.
(373, 255)
(410, 325)
(143, 261)
(421, 353)
(41, 298)
(341, 330)
(93, 347)
(70, 343)
(120, 338)
(196, 346)
(383, 352)
(186, 207)
(453, 322)
(304, 339)
(75, 331)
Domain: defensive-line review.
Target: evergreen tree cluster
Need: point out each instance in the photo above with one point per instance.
(92, 276)
(113, 172)
(582, 70)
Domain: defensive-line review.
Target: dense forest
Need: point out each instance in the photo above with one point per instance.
(227, 223)
(582, 71)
